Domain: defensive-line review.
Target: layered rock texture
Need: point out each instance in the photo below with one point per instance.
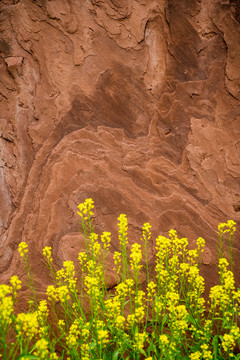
(134, 103)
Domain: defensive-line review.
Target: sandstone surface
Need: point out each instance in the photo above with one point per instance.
(134, 103)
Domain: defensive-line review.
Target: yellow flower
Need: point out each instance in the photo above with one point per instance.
(163, 339)
(61, 324)
(122, 290)
(85, 209)
(230, 227)
(140, 340)
(151, 288)
(120, 321)
(23, 248)
(82, 258)
(73, 335)
(131, 319)
(63, 293)
(41, 349)
(195, 356)
(123, 228)
(106, 239)
(230, 339)
(146, 229)
(117, 261)
(139, 313)
(16, 283)
(47, 252)
(42, 311)
(200, 244)
(102, 337)
(27, 324)
(136, 257)
(6, 309)
(207, 355)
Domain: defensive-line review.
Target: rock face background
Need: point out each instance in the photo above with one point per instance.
(135, 103)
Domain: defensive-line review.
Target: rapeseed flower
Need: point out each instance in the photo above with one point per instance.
(106, 239)
(119, 321)
(140, 339)
(85, 209)
(82, 258)
(146, 231)
(123, 228)
(136, 257)
(47, 252)
(195, 356)
(16, 283)
(229, 340)
(117, 261)
(151, 289)
(41, 349)
(206, 353)
(42, 311)
(6, 310)
(73, 334)
(229, 227)
(200, 244)
(102, 336)
(27, 324)
(23, 248)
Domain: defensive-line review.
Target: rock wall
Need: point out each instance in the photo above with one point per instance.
(134, 103)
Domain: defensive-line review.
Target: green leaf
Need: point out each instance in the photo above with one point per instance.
(215, 347)
(143, 352)
(115, 355)
(164, 319)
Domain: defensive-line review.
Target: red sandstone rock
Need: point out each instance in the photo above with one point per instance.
(132, 103)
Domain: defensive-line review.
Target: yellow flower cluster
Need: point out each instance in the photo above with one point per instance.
(94, 245)
(85, 209)
(178, 319)
(113, 307)
(47, 252)
(146, 230)
(82, 258)
(102, 336)
(140, 339)
(206, 353)
(200, 244)
(218, 297)
(229, 227)
(106, 239)
(136, 258)
(92, 284)
(6, 305)
(41, 350)
(226, 277)
(16, 284)
(122, 229)
(23, 249)
(61, 325)
(73, 334)
(27, 325)
(60, 293)
(42, 311)
(66, 276)
(229, 340)
(151, 289)
(195, 356)
(119, 321)
(167, 346)
(117, 261)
